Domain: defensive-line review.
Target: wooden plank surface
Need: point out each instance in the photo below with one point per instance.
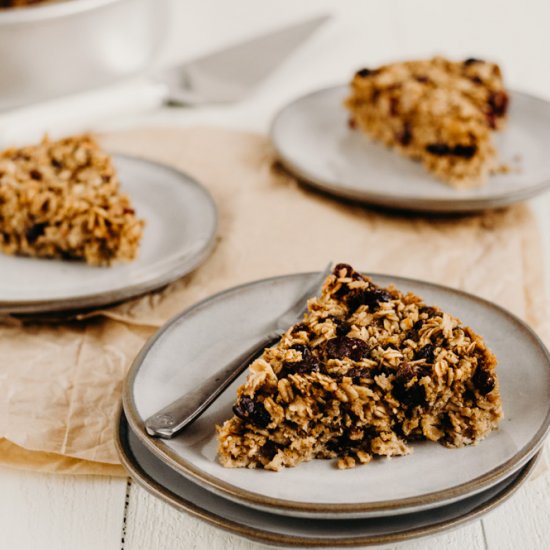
(152, 524)
(522, 522)
(45, 512)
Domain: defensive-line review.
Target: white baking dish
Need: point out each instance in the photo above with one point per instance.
(52, 49)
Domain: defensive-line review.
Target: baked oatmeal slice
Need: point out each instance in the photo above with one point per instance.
(438, 111)
(62, 199)
(368, 370)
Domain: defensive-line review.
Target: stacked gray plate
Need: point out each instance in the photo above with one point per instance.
(316, 504)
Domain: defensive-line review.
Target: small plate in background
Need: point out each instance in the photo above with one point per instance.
(312, 139)
(180, 226)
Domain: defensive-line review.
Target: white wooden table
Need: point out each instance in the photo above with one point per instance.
(65, 513)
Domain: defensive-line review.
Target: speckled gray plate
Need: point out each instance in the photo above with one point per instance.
(180, 226)
(312, 138)
(197, 342)
(167, 484)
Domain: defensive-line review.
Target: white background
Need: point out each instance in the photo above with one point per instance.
(47, 512)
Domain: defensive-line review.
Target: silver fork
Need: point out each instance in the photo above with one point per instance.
(187, 408)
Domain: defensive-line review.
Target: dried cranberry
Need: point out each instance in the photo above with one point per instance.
(244, 407)
(357, 373)
(308, 363)
(413, 334)
(483, 380)
(405, 136)
(69, 256)
(342, 328)
(405, 372)
(35, 231)
(472, 61)
(394, 106)
(304, 350)
(299, 327)
(269, 450)
(464, 151)
(252, 411)
(345, 443)
(421, 78)
(338, 444)
(498, 103)
(442, 149)
(426, 353)
(469, 395)
(438, 149)
(342, 346)
(370, 432)
(491, 120)
(363, 73)
(445, 421)
(349, 273)
(409, 395)
(370, 297)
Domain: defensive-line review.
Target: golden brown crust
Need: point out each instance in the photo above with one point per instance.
(62, 199)
(368, 370)
(438, 111)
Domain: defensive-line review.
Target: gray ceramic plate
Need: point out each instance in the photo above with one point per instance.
(312, 138)
(197, 342)
(166, 484)
(181, 221)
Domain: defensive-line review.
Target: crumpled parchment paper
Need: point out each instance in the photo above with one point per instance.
(61, 382)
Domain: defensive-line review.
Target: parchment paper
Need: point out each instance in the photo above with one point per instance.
(61, 383)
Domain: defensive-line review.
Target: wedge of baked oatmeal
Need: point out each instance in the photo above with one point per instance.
(368, 370)
(62, 199)
(438, 111)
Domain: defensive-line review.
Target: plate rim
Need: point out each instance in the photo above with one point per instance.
(178, 266)
(155, 488)
(403, 202)
(307, 509)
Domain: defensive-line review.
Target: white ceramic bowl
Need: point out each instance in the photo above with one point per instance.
(52, 49)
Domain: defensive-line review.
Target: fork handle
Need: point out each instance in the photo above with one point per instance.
(187, 408)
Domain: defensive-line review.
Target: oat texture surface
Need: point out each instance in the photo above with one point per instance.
(62, 199)
(437, 111)
(367, 371)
